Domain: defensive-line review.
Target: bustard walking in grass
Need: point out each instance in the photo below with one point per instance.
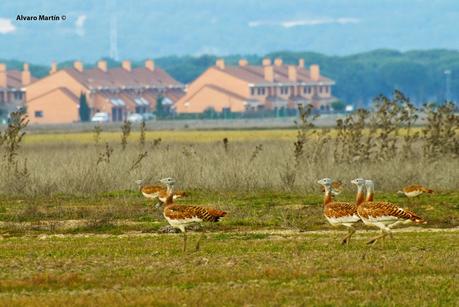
(181, 216)
(340, 213)
(414, 190)
(158, 192)
(384, 215)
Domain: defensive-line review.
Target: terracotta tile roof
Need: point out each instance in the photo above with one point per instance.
(219, 89)
(174, 95)
(64, 90)
(255, 74)
(119, 78)
(14, 79)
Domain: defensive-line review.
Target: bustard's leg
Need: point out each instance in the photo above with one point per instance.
(373, 241)
(198, 244)
(384, 232)
(184, 240)
(347, 238)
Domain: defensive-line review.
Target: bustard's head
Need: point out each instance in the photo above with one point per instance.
(327, 182)
(168, 181)
(359, 182)
(139, 181)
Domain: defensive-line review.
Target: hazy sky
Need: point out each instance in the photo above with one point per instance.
(153, 28)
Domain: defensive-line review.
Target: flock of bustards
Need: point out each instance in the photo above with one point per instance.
(381, 214)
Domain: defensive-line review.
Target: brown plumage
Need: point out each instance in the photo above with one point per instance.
(181, 216)
(340, 213)
(415, 190)
(157, 192)
(183, 212)
(384, 209)
(384, 215)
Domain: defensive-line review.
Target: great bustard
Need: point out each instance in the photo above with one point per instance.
(157, 192)
(384, 215)
(414, 190)
(336, 187)
(181, 216)
(340, 213)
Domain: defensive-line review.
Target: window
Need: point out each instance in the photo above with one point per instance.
(38, 114)
(17, 95)
(284, 90)
(252, 91)
(261, 91)
(320, 89)
(327, 89)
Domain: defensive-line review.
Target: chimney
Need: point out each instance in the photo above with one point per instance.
(243, 62)
(301, 63)
(53, 68)
(314, 72)
(126, 65)
(78, 66)
(269, 73)
(266, 62)
(150, 65)
(292, 73)
(278, 62)
(220, 63)
(2, 75)
(26, 77)
(102, 65)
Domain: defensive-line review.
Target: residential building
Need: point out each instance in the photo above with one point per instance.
(117, 91)
(12, 92)
(243, 88)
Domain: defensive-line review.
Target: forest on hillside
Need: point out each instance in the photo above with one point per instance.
(359, 77)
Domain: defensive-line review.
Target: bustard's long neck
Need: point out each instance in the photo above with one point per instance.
(359, 197)
(170, 194)
(370, 193)
(327, 195)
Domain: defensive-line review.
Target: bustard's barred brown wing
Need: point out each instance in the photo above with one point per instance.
(152, 189)
(386, 209)
(416, 187)
(339, 209)
(181, 212)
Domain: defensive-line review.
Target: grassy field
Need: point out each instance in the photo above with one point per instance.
(272, 249)
(199, 136)
(261, 269)
(74, 230)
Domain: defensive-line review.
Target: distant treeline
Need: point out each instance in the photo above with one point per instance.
(359, 78)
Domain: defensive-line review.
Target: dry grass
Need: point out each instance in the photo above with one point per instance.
(74, 168)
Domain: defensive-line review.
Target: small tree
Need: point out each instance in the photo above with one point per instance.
(160, 110)
(338, 106)
(85, 112)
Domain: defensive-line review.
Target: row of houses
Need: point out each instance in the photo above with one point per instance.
(124, 90)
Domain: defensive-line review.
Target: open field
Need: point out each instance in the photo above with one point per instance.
(260, 269)
(74, 229)
(127, 211)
